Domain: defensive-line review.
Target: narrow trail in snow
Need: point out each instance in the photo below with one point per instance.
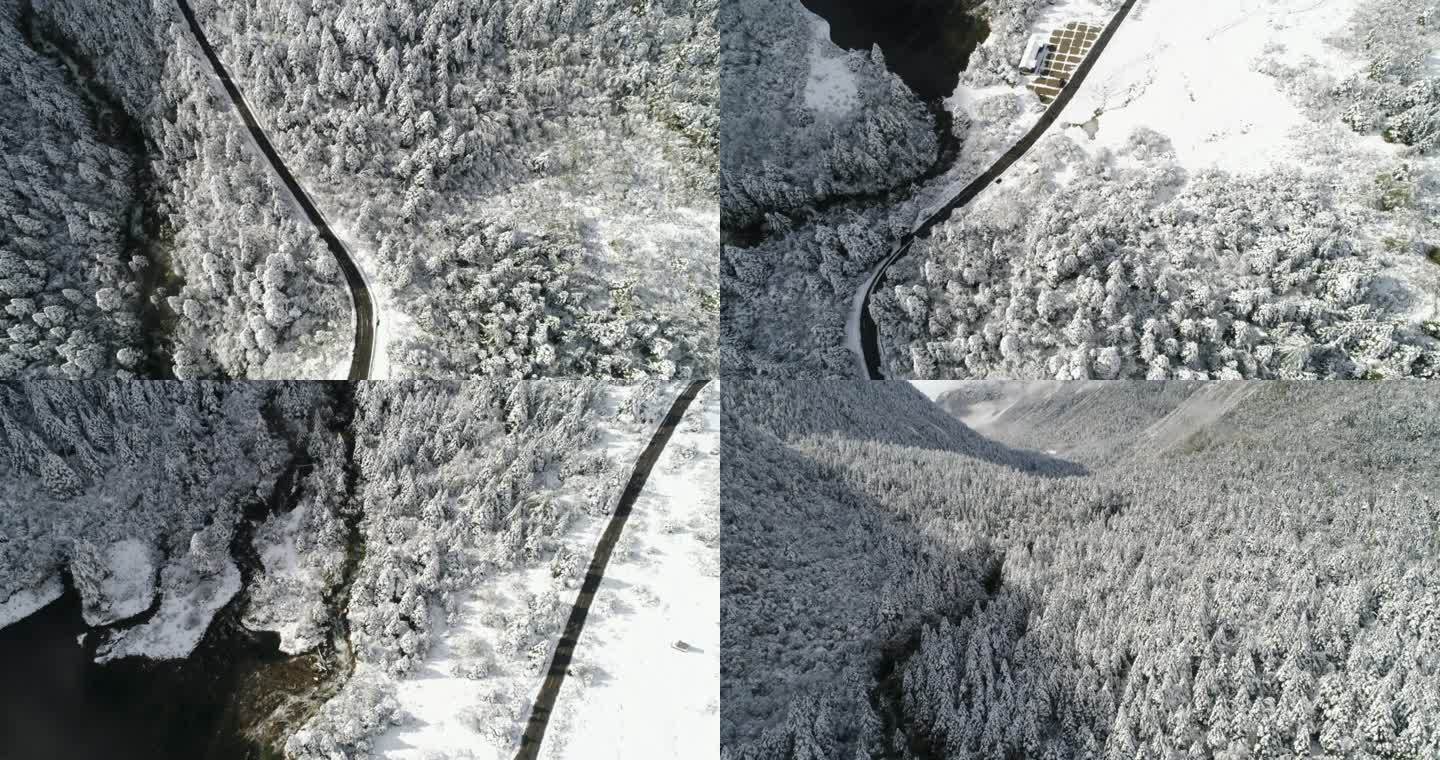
(565, 649)
(359, 292)
(869, 333)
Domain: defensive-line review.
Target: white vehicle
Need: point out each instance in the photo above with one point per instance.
(1037, 50)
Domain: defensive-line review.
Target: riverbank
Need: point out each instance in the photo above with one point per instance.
(237, 696)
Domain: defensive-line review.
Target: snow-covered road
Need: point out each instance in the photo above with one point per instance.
(638, 696)
(356, 281)
(860, 328)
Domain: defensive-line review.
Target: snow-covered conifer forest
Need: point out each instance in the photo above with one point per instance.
(789, 141)
(1238, 189)
(1116, 570)
(528, 189)
(367, 570)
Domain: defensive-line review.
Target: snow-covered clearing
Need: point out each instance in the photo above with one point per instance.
(831, 88)
(452, 715)
(636, 695)
(1190, 72)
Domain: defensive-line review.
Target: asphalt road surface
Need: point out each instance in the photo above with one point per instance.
(869, 335)
(565, 650)
(359, 291)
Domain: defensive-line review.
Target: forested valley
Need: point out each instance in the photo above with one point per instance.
(824, 150)
(318, 541)
(1149, 254)
(1189, 570)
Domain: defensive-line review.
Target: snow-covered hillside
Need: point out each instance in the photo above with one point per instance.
(1226, 569)
(1239, 189)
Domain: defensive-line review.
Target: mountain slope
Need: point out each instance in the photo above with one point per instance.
(1243, 568)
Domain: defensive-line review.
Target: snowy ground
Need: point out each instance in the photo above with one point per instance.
(194, 592)
(127, 587)
(831, 88)
(1189, 71)
(26, 602)
(442, 703)
(635, 695)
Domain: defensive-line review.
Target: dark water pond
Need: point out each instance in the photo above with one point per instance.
(55, 702)
(236, 697)
(926, 42)
(51, 703)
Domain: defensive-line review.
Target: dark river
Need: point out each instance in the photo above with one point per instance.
(926, 42)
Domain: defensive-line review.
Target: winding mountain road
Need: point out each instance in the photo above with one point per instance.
(869, 335)
(365, 319)
(565, 649)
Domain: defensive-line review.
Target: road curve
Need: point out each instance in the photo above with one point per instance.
(565, 649)
(869, 335)
(359, 291)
